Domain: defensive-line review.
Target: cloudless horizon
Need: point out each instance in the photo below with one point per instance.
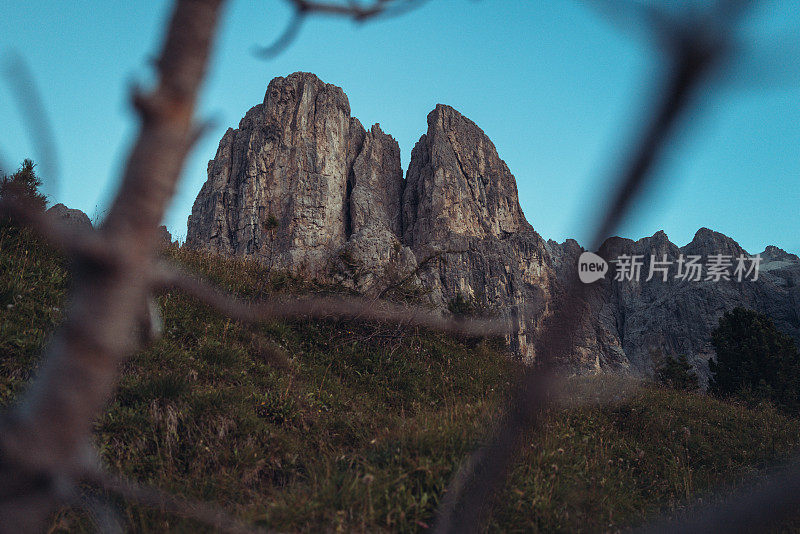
(556, 86)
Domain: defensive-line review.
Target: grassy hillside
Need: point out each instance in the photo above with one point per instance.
(340, 426)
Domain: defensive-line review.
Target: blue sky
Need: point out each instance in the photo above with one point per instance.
(555, 86)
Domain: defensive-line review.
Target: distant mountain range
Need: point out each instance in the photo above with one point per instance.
(301, 184)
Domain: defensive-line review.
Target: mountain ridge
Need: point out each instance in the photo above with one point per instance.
(452, 228)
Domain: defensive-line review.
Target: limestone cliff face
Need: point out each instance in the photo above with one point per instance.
(301, 184)
(457, 184)
(289, 161)
(631, 325)
(460, 207)
(373, 253)
(377, 185)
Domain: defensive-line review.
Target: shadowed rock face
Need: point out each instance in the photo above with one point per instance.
(631, 325)
(377, 185)
(452, 228)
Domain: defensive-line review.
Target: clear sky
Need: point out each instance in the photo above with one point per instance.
(555, 86)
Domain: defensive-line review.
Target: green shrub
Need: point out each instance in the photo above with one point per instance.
(677, 373)
(461, 305)
(23, 187)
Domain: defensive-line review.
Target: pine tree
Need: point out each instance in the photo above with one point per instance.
(23, 187)
(755, 359)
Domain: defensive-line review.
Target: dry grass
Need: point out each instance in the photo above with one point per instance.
(333, 425)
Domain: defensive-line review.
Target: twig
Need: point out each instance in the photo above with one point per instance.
(692, 49)
(170, 276)
(49, 430)
(352, 10)
(420, 265)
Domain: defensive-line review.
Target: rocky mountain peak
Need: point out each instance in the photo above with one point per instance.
(284, 94)
(457, 184)
(290, 162)
(773, 253)
(301, 185)
(656, 245)
(707, 242)
(73, 218)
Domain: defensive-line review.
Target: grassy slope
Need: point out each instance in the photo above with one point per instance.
(342, 426)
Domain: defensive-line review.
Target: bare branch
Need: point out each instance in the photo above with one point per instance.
(764, 500)
(353, 10)
(693, 53)
(29, 100)
(170, 276)
(469, 495)
(286, 38)
(465, 504)
(49, 431)
(76, 242)
(433, 256)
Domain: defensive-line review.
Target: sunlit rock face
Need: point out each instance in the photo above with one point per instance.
(289, 161)
(457, 184)
(460, 204)
(301, 184)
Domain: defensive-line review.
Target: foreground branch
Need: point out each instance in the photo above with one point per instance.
(764, 500)
(210, 515)
(692, 54)
(45, 439)
(352, 10)
(170, 276)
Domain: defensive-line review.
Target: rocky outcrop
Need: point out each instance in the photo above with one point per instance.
(301, 184)
(633, 324)
(164, 236)
(461, 209)
(290, 162)
(774, 254)
(376, 187)
(373, 253)
(73, 218)
(457, 184)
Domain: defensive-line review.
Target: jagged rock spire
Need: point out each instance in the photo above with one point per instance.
(457, 184)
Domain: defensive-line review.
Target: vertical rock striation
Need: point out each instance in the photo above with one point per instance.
(457, 184)
(290, 161)
(461, 207)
